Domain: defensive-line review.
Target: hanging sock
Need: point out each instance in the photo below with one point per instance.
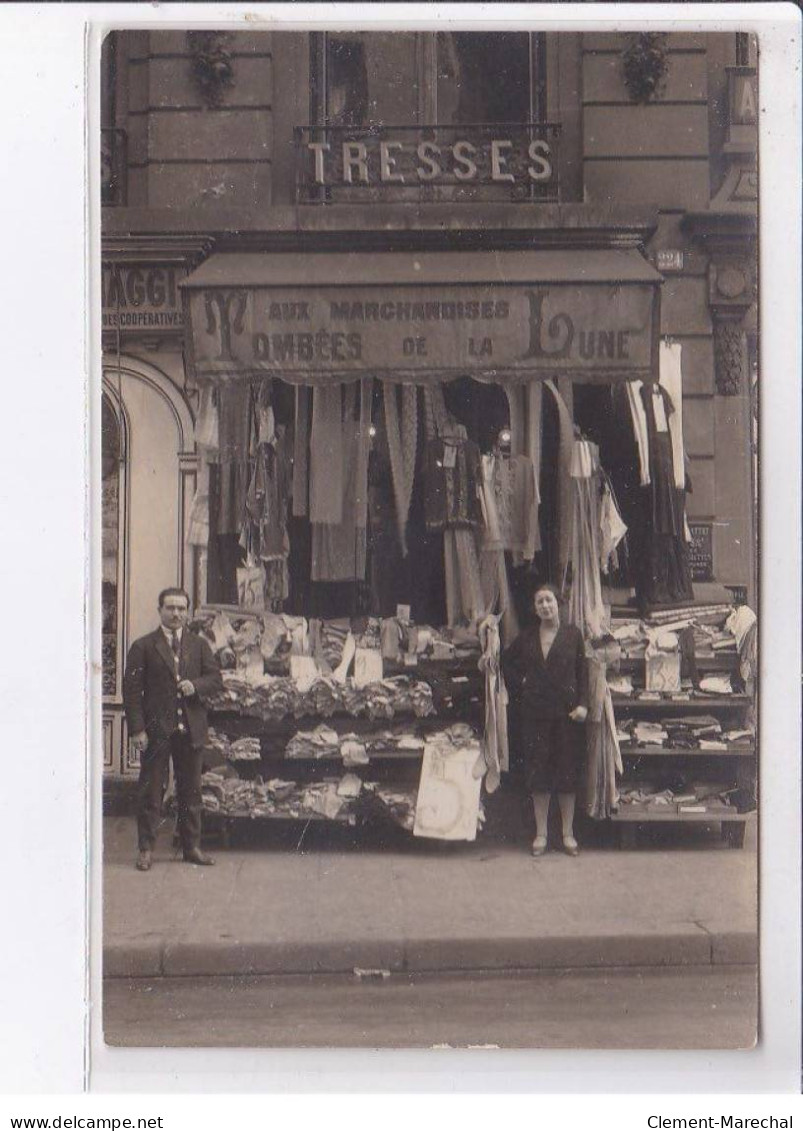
(402, 439)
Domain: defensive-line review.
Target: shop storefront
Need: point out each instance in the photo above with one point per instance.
(391, 460)
(405, 374)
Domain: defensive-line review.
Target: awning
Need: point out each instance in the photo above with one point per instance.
(419, 316)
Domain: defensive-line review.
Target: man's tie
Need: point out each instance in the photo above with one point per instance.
(174, 644)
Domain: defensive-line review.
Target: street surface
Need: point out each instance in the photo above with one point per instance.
(692, 1008)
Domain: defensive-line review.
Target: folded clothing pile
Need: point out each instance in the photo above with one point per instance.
(276, 697)
(322, 742)
(700, 797)
(233, 797)
(245, 750)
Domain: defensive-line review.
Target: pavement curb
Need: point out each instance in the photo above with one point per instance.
(682, 948)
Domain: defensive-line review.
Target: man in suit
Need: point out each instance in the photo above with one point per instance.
(168, 673)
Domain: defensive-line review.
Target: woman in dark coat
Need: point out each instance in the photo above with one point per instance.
(545, 667)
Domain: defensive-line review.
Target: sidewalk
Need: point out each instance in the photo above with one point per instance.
(288, 900)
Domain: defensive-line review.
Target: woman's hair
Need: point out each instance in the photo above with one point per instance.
(550, 588)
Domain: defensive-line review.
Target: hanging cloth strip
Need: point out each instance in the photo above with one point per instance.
(363, 450)
(235, 421)
(526, 486)
(604, 758)
(586, 607)
(564, 489)
(326, 455)
(671, 379)
(402, 440)
(495, 743)
(339, 549)
(612, 528)
(535, 393)
(206, 441)
(301, 452)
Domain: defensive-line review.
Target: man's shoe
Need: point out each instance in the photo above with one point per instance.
(195, 856)
(144, 860)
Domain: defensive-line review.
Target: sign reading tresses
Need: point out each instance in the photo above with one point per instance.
(603, 328)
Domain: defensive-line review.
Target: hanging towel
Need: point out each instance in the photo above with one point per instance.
(402, 438)
(671, 379)
(301, 452)
(326, 455)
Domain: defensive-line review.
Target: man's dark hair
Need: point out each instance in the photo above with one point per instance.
(173, 591)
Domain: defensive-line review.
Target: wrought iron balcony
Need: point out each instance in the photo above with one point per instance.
(113, 166)
(501, 162)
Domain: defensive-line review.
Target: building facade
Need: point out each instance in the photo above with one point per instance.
(239, 161)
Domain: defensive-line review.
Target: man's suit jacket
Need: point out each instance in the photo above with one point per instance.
(551, 688)
(150, 686)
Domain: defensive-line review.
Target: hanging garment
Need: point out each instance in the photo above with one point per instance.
(495, 743)
(496, 593)
(451, 481)
(363, 451)
(639, 419)
(586, 607)
(234, 433)
(301, 451)
(517, 407)
(465, 602)
(665, 576)
(602, 744)
(207, 423)
(402, 442)
(339, 549)
(326, 455)
(509, 492)
(612, 528)
(265, 534)
(198, 522)
(535, 392)
(564, 484)
(671, 380)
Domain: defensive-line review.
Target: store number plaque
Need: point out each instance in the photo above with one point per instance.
(701, 555)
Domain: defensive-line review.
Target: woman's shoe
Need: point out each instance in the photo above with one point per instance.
(539, 846)
(570, 846)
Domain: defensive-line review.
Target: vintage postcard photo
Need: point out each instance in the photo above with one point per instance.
(429, 497)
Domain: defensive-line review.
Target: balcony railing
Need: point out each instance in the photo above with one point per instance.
(113, 166)
(499, 162)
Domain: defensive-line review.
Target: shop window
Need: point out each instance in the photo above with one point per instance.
(380, 79)
(366, 78)
(490, 78)
(111, 452)
(449, 116)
